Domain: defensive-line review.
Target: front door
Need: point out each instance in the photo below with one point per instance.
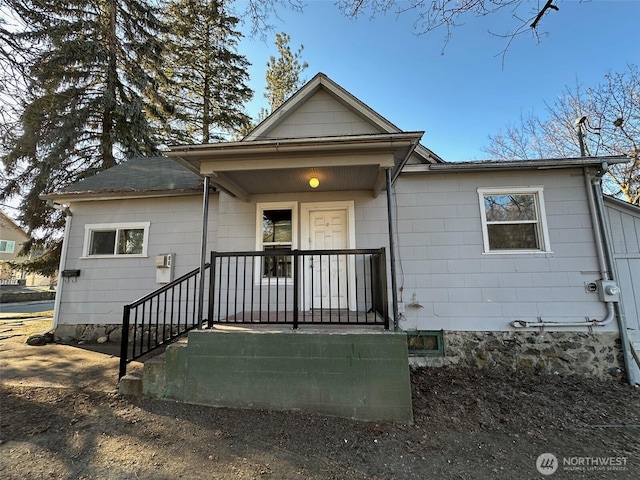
(329, 272)
(328, 282)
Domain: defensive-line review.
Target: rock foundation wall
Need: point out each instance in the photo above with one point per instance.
(588, 354)
(90, 333)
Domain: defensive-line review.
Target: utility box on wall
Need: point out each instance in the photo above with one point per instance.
(608, 291)
(164, 267)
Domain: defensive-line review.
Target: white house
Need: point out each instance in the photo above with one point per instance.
(483, 263)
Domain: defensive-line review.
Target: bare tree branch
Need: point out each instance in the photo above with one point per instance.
(547, 6)
(447, 14)
(611, 126)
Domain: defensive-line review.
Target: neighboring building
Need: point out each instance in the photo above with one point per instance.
(12, 237)
(494, 263)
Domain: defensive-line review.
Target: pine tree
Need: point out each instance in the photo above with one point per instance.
(283, 73)
(209, 78)
(91, 95)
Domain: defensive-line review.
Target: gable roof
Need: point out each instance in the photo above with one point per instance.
(622, 204)
(8, 222)
(137, 177)
(319, 83)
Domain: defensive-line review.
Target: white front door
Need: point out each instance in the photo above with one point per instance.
(328, 282)
(328, 272)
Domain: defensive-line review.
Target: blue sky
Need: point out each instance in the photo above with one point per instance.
(462, 95)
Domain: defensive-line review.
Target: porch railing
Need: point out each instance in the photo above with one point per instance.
(337, 287)
(160, 317)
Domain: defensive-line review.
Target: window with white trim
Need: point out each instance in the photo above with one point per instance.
(276, 230)
(7, 246)
(116, 240)
(513, 220)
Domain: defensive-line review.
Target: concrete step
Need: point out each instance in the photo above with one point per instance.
(130, 385)
(153, 376)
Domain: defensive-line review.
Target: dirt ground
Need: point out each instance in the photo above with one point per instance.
(62, 418)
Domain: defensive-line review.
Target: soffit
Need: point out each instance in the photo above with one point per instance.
(246, 168)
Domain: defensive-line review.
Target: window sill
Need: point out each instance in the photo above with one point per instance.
(91, 257)
(519, 252)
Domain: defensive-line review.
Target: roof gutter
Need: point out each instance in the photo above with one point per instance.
(294, 145)
(86, 196)
(545, 164)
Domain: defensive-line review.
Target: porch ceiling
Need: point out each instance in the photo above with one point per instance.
(247, 168)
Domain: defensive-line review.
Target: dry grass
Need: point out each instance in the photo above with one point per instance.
(27, 326)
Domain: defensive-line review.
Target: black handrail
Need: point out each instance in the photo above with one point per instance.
(336, 287)
(142, 318)
(299, 287)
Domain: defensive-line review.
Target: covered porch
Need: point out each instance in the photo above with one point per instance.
(276, 342)
(307, 319)
(334, 281)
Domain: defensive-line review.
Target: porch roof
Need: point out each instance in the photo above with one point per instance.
(351, 162)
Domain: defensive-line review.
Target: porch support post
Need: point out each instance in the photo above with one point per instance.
(203, 247)
(392, 252)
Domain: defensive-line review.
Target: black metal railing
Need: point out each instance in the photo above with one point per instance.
(334, 287)
(160, 317)
(299, 287)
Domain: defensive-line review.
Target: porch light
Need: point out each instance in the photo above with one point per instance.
(314, 182)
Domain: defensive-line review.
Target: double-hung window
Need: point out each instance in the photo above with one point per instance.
(109, 240)
(513, 220)
(276, 231)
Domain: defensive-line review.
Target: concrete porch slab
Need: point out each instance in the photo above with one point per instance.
(361, 374)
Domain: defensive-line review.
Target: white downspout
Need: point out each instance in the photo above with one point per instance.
(63, 259)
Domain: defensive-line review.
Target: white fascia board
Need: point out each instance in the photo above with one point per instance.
(543, 164)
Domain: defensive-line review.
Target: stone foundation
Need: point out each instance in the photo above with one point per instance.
(588, 354)
(88, 333)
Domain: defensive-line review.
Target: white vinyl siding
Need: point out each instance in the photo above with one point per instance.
(322, 115)
(460, 287)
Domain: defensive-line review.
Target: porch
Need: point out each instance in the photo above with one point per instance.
(340, 288)
(250, 351)
(305, 272)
